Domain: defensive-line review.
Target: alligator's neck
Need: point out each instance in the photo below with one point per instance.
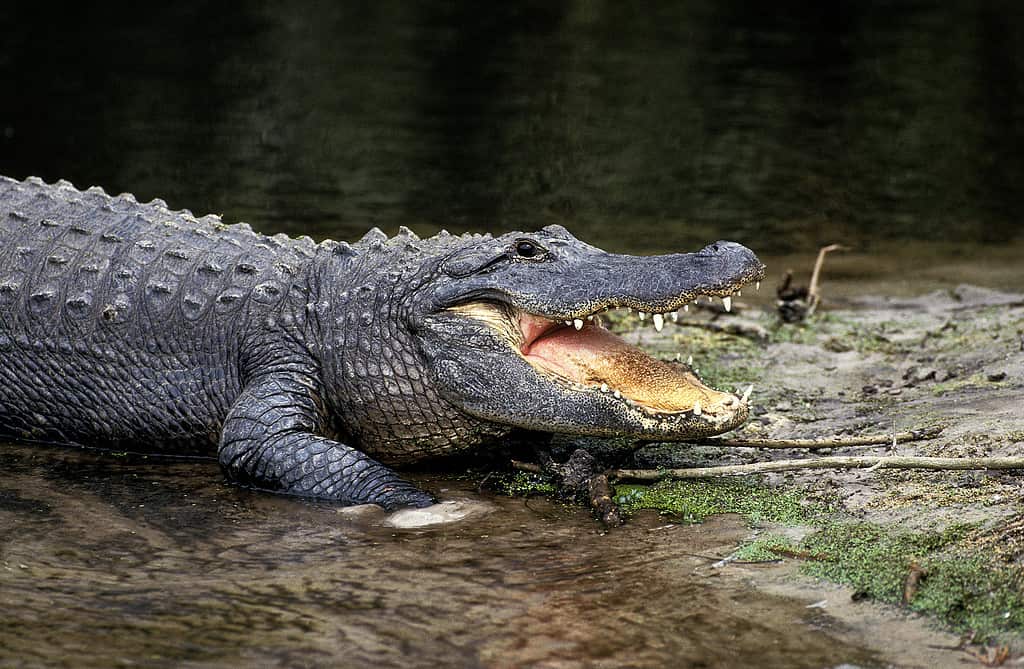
(379, 389)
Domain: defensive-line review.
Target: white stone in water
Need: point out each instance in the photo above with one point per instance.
(438, 514)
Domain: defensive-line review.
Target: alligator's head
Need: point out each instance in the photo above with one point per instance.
(509, 328)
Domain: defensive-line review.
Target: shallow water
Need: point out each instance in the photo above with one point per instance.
(108, 561)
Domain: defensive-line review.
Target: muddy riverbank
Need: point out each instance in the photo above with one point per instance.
(948, 545)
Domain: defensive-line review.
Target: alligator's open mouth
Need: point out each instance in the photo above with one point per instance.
(581, 354)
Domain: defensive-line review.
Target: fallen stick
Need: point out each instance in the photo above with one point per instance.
(813, 296)
(829, 462)
(827, 442)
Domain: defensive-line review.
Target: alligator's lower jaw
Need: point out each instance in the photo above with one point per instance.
(593, 358)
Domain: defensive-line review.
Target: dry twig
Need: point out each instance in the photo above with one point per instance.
(830, 462)
(813, 296)
(827, 442)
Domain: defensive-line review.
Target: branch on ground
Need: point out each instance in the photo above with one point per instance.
(870, 462)
(827, 442)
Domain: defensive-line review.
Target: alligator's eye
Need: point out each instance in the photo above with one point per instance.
(527, 248)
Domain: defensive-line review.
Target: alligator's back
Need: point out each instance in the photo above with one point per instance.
(121, 322)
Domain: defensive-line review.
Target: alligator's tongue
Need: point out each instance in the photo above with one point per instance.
(593, 356)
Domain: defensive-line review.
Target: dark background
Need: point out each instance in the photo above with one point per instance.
(782, 125)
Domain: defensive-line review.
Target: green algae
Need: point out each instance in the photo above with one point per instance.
(524, 484)
(944, 387)
(765, 548)
(693, 501)
(965, 585)
(967, 588)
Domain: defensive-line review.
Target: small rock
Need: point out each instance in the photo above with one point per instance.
(996, 376)
(836, 345)
(922, 374)
(895, 391)
(944, 375)
(870, 390)
(969, 480)
(784, 406)
(439, 514)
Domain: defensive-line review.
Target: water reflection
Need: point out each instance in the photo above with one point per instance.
(641, 128)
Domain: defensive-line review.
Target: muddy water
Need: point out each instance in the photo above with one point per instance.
(108, 561)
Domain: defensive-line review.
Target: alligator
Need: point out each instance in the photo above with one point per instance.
(317, 369)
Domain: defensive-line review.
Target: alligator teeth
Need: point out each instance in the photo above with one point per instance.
(641, 314)
(568, 323)
(590, 317)
(689, 360)
(757, 285)
(617, 394)
(696, 408)
(727, 303)
(659, 321)
(746, 393)
(686, 307)
(739, 293)
(577, 323)
(675, 316)
(604, 387)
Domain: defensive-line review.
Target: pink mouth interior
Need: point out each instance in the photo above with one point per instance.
(594, 356)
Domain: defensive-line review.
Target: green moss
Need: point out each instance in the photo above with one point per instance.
(973, 593)
(524, 484)
(764, 548)
(965, 589)
(694, 501)
(868, 557)
(965, 586)
(940, 389)
(794, 333)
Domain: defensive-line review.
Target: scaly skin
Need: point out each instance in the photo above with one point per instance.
(307, 368)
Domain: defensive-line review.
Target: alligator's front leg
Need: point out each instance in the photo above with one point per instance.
(271, 441)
